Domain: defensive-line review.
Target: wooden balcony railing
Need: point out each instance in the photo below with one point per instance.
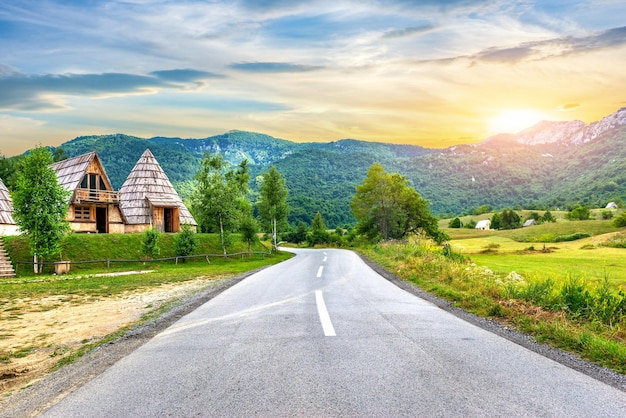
(96, 196)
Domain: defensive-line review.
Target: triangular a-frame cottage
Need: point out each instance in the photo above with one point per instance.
(7, 224)
(148, 199)
(94, 205)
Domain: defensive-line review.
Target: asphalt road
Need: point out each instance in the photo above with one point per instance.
(324, 335)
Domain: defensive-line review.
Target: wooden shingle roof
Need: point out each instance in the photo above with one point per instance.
(6, 206)
(70, 172)
(147, 185)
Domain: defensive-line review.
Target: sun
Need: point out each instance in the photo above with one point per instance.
(514, 121)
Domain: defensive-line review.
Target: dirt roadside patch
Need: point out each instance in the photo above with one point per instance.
(60, 325)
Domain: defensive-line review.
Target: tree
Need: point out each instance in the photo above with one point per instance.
(482, 210)
(8, 170)
(249, 230)
(40, 205)
(59, 155)
(496, 220)
(185, 242)
(386, 207)
(217, 200)
(620, 221)
(579, 213)
(272, 204)
(548, 217)
(510, 219)
(150, 243)
(318, 234)
(455, 223)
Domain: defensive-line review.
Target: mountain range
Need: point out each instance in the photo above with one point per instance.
(549, 165)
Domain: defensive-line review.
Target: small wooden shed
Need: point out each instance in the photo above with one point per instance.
(94, 205)
(529, 222)
(7, 224)
(148, 199)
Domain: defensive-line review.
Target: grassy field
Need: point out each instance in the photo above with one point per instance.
(531, 251)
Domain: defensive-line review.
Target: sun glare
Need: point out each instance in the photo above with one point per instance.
(514, 121)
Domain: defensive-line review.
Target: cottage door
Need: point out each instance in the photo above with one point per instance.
(102, 223)
(168, 220)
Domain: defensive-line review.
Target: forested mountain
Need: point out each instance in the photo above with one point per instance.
(553, 164)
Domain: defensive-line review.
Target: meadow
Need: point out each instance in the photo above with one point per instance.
(531, 251)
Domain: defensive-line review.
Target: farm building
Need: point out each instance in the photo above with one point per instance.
(7, 224)
(484, 224)
(94, 205)
(148, 199)
(611, 205)
(529, 222)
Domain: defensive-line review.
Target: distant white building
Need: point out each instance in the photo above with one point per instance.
(529, 222)
(484, 224)
(611, 205)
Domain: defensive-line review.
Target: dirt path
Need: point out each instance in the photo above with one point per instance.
(36, 333)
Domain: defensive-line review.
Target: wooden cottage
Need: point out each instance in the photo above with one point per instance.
(148, 199)
(7, 224)
(94, 205)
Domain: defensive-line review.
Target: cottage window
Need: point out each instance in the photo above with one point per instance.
(82, 213)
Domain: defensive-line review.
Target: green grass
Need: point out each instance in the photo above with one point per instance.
(585, 258)
(92, 247)
(90, 285)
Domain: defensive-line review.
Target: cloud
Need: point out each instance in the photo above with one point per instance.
(273, 67)
(44, 92)
(184, 75)
(611, 38)
(567, 107)
(403, 33)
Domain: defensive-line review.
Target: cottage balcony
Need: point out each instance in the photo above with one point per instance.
(95, 196)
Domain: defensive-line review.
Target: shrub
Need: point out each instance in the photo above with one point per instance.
(579, 213)
(575, 297)
(185, 242)
(150, 243)
(572, 237)
(607, 214)
(455, 223)
(620, 221)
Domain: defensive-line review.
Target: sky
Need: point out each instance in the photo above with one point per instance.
(430, 73)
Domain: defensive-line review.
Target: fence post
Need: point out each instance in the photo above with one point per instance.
(108, 264)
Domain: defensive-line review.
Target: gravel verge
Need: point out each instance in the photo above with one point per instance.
(35, 399)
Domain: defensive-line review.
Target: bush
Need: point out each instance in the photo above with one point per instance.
(455, 223)
(607, 214)
(572, 237)
(579, 213)
(471, 224)
(150, 243)
(185, 242)
(620, 221)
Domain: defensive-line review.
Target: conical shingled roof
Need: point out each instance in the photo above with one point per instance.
(6, 206)
(148, 184)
